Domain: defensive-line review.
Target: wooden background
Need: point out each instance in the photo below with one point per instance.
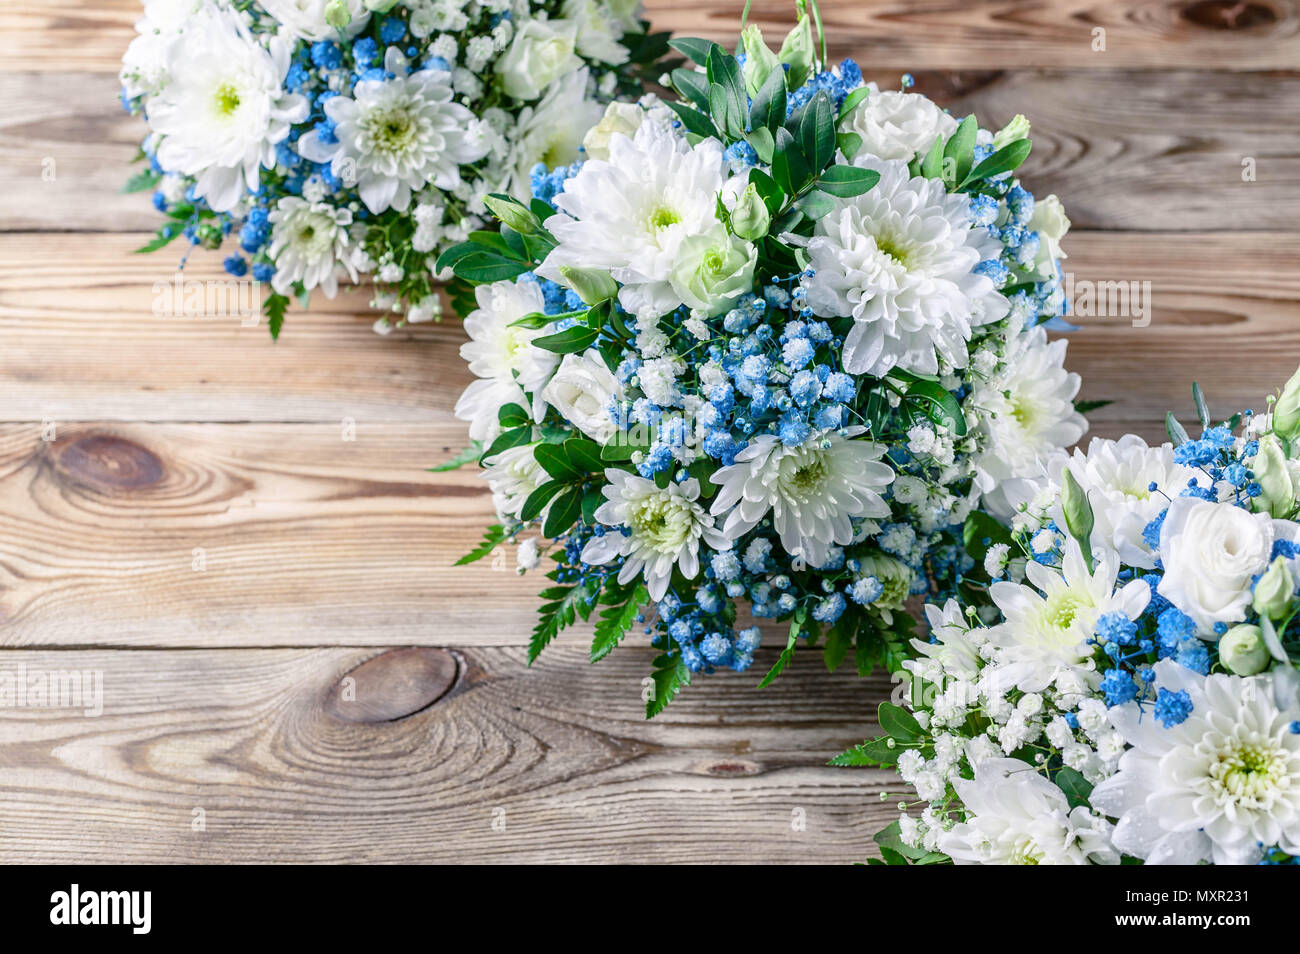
(327, 558)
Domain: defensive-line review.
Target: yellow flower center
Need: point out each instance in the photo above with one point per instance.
(227, 99)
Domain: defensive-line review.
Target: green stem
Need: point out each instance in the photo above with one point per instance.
(821, 33)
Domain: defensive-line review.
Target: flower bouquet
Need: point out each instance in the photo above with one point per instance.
(356, 138)
(766, 347)
(1131, 692)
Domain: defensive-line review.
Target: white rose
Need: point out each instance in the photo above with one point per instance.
(1051, 224)
(713, 270)
(541, 52)
(622, 119)
(899, 125)
(598, 31)
(1211, 554)
(580, 391)
(306, 18)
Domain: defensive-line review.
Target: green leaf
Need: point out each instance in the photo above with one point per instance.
(564, 513)
(850, 143)
(538, 319)
(817, 132)
(469, 454)
(584, 455)
(763, 142)
(693, 86)
(539, 498)
(1087, 407)
(694, 120)
(569, 341)
(158, 241)
(900, 724)
(856, 757)
(512, 415)
(670, 677)
(484, 267)
(725, 74)
(772, 195)
(615, 621)
(514, 437)
(847, 181)
(873, 752)
(142, 181)
(693, 48)
(960, 151)
(786, 654)
(816, 205)
(496, 534)
(981, 531)
(555, 461)
(853, 100)
(891, 837)
(1177, 433)
(938, 404)
(839, 638)
(789, 168)
(1202, 408)
(769, 106)
(1077, 789)
(559, 611)
(274, 308)
(1005, 159)
(932, 164)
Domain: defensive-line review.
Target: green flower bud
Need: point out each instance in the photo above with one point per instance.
(1013, 131)
(337, 14)
(1078, 514)
(1277, 490)
(750, 219)
(1275, 591)
(1242, 650)
(798, 52)
(591, 284)
(513, 214)
(1286, 413)
(760, 61)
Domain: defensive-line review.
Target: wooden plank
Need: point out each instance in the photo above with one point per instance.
(67, 35)
(1124, 149)
(558, 756)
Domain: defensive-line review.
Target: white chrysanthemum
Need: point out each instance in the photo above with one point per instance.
(144, 65)
(899, 259)
(513, 475)
(813, 490)
(502, 356)
(551, 133)
(665, 529)
(1046, 627)
(1025, 412)
(955, 647)
(305, 19)
(224, 108)
(310, 243)
(397, 136)
(897, 125)
(1214, 787)
(1018, 817)
(632, 213)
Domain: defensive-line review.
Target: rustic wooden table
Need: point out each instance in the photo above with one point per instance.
(202, 531)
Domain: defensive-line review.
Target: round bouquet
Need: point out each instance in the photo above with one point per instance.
(356, 138)
(764, 350)
(1132, 691)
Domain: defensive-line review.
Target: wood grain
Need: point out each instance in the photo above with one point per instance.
(559, 757)
(63, 35)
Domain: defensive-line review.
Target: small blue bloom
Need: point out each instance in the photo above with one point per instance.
(1172, 708)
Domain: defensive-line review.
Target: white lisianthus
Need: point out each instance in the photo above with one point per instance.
(1018, 817)
(552, 133)
(310, 243)
(665, 527)
(512, 476)
(1212, 553)
(899, 259)
(1218, 785)
(622, 119)
(224, 108)
(631, 214)
(306, 18)
(1051, 223)
(813, 490)
(713, 270)
(394, 137)
(541, 52)
(1046, 627)
(581, 391)
(598, 31)
(897, 125)
(502, 356)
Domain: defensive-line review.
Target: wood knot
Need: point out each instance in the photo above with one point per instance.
(730, 768)
(1229, 14)
(393, 685)
(103, 461)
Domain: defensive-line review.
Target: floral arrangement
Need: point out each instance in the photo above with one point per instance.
(355, 138)
(764, 349)
(1130, 690)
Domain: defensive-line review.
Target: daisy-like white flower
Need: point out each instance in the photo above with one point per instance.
(513, 475)
(664, 530)
(552, 132)
(632, 213)
(224, 107)
(900, 260)
(955, 648)
(310, 243)
(502, 356)
(1216, 786)
(1025, 412)
(813, 490)
(144, 65)
(1018, 817)
(896, 125)
(306, 18)
(1045, 627)
(396, 136)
